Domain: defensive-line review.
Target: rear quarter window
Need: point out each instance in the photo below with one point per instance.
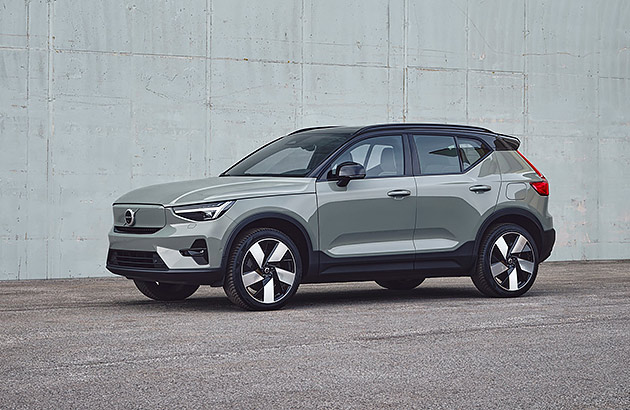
(471, 151)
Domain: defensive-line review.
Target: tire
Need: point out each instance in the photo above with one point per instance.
(400, 284)
(264, 270)
(508, 262)
(165, 291)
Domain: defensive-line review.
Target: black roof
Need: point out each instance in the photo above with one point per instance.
(363, 128)
(422, 125)
(497, 141)
(330, 129)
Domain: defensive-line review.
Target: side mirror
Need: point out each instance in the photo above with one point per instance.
(347, 171)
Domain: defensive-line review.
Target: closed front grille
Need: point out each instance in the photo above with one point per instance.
(135, 230)
(135, 259)
(134, 218)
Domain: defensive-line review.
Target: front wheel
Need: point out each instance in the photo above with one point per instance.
(508, 262)
(165, 291)
(400, 284)
(264, 270)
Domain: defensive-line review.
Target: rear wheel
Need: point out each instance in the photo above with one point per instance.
(507, 263)
(165, 291)
(264, 270)
(400, 284)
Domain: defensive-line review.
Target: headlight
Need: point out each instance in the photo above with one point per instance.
(203, 212)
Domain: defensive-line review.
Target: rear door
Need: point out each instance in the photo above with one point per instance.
(368, 225)
(458, 183)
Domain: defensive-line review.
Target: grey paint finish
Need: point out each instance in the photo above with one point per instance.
(217, 189)
(300, 208)
(362, 220)
(516, 191)
(97, 101)
(180, 233)
(515, 169)
(448, 212)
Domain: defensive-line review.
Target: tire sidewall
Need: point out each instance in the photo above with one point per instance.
(400, 284)
(165, 291)
(237, 260)
(486, 258)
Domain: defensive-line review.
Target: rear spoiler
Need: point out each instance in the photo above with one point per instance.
(506, 143)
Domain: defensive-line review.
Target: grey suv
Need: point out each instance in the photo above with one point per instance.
(393, 203)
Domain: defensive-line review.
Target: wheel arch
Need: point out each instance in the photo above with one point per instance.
(517, 216)
(288, 225)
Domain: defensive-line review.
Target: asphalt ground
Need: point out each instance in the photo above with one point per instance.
(98, 343)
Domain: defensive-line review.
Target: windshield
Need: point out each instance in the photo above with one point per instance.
(291, 156)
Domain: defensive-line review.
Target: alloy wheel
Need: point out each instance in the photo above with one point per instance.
(268, 270)
(512, 261)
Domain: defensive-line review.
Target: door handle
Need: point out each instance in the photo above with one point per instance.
(399, 193)
(480, 188)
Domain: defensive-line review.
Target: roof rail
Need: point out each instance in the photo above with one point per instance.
(312, 128)
(424, 125)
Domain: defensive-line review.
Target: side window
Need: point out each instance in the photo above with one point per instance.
(471, 151)
(380, 156)
(437, 154)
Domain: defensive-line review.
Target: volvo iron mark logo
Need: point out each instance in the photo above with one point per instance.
(130, 217)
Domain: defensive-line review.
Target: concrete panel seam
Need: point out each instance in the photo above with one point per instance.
(50, 131)
(405, 91)
(208, 79)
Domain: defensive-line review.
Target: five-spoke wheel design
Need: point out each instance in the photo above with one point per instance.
(264, 270)
(512, 261)
(268, 270)
(508, 261)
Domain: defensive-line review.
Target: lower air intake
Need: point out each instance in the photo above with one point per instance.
(135, 259)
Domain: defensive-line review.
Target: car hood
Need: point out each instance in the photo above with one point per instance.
(217, 189)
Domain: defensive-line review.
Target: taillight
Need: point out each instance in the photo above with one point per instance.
(541, 187)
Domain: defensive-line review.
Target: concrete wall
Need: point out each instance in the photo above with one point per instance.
(97, 98)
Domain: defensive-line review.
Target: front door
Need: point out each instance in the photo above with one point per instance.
(367, 226)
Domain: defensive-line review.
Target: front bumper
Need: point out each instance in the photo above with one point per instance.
(149, 266)
(548, 240)
(171, 254)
